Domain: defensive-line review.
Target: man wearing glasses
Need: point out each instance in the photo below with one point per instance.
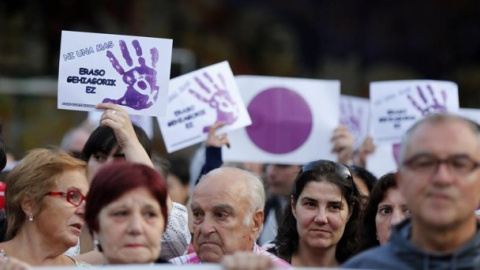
(440, 179)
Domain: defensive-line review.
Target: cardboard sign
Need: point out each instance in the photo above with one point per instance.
(397, 105)
(126, 70)
(198, 100)
(292, 120)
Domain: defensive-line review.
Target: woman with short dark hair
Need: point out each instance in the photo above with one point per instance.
(126, 212)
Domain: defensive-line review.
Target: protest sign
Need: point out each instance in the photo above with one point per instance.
(384, 159)
(196, 101)
(126, 70)
(472, 114)
(397, 105)
(355, 115)
(292, 120)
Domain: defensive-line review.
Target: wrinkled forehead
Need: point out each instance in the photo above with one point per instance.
(452, 134)
(212, 191)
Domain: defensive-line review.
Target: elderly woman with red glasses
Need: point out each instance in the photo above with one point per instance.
(45, 202)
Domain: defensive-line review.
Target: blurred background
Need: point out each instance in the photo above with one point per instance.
(352, 40)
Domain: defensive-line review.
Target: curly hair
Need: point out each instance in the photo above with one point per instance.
(322, 170)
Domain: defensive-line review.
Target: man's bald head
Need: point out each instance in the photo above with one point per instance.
(234, 178)
(227, 209)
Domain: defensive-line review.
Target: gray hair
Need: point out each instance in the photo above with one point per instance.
(257, 192)
(257, 198)
(435, 119)
(68, 137)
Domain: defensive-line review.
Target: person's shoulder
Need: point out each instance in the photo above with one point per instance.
(277, 261)
(78, 263)
(179, 209)
(381, 257)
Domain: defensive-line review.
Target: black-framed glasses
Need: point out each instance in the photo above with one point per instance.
(460, 165)
(72, 196)
(341, 169)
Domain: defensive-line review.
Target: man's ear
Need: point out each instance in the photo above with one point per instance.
(258, 218)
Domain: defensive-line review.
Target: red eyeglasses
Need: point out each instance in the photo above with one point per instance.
(73, 196)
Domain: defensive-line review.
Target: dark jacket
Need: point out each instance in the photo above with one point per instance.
(400, 253)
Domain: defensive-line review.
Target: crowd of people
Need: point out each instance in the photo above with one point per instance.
(109, 199)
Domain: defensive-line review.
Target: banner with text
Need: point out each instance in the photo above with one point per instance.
(126, 70)
(397, 105)
(199, 99)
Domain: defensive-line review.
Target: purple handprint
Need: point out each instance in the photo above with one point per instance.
(141, 80)
(219, 99)
(350, 119)
(429, 108)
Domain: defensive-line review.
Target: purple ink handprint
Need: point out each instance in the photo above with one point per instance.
(141, 80)
(429, 108)
(350, 118)
(218, 98)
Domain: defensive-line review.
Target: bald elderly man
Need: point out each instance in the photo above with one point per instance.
(227, 207)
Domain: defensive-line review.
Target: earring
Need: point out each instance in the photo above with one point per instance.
(30, 217)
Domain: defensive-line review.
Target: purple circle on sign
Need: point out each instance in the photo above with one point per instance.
(281, 120)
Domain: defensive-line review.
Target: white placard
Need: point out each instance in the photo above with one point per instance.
(292, 120)
(383, 160)
(355, 115)
(472, 114)
(126, 70)
(397, 105)
(145, 122)
(199, 99)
